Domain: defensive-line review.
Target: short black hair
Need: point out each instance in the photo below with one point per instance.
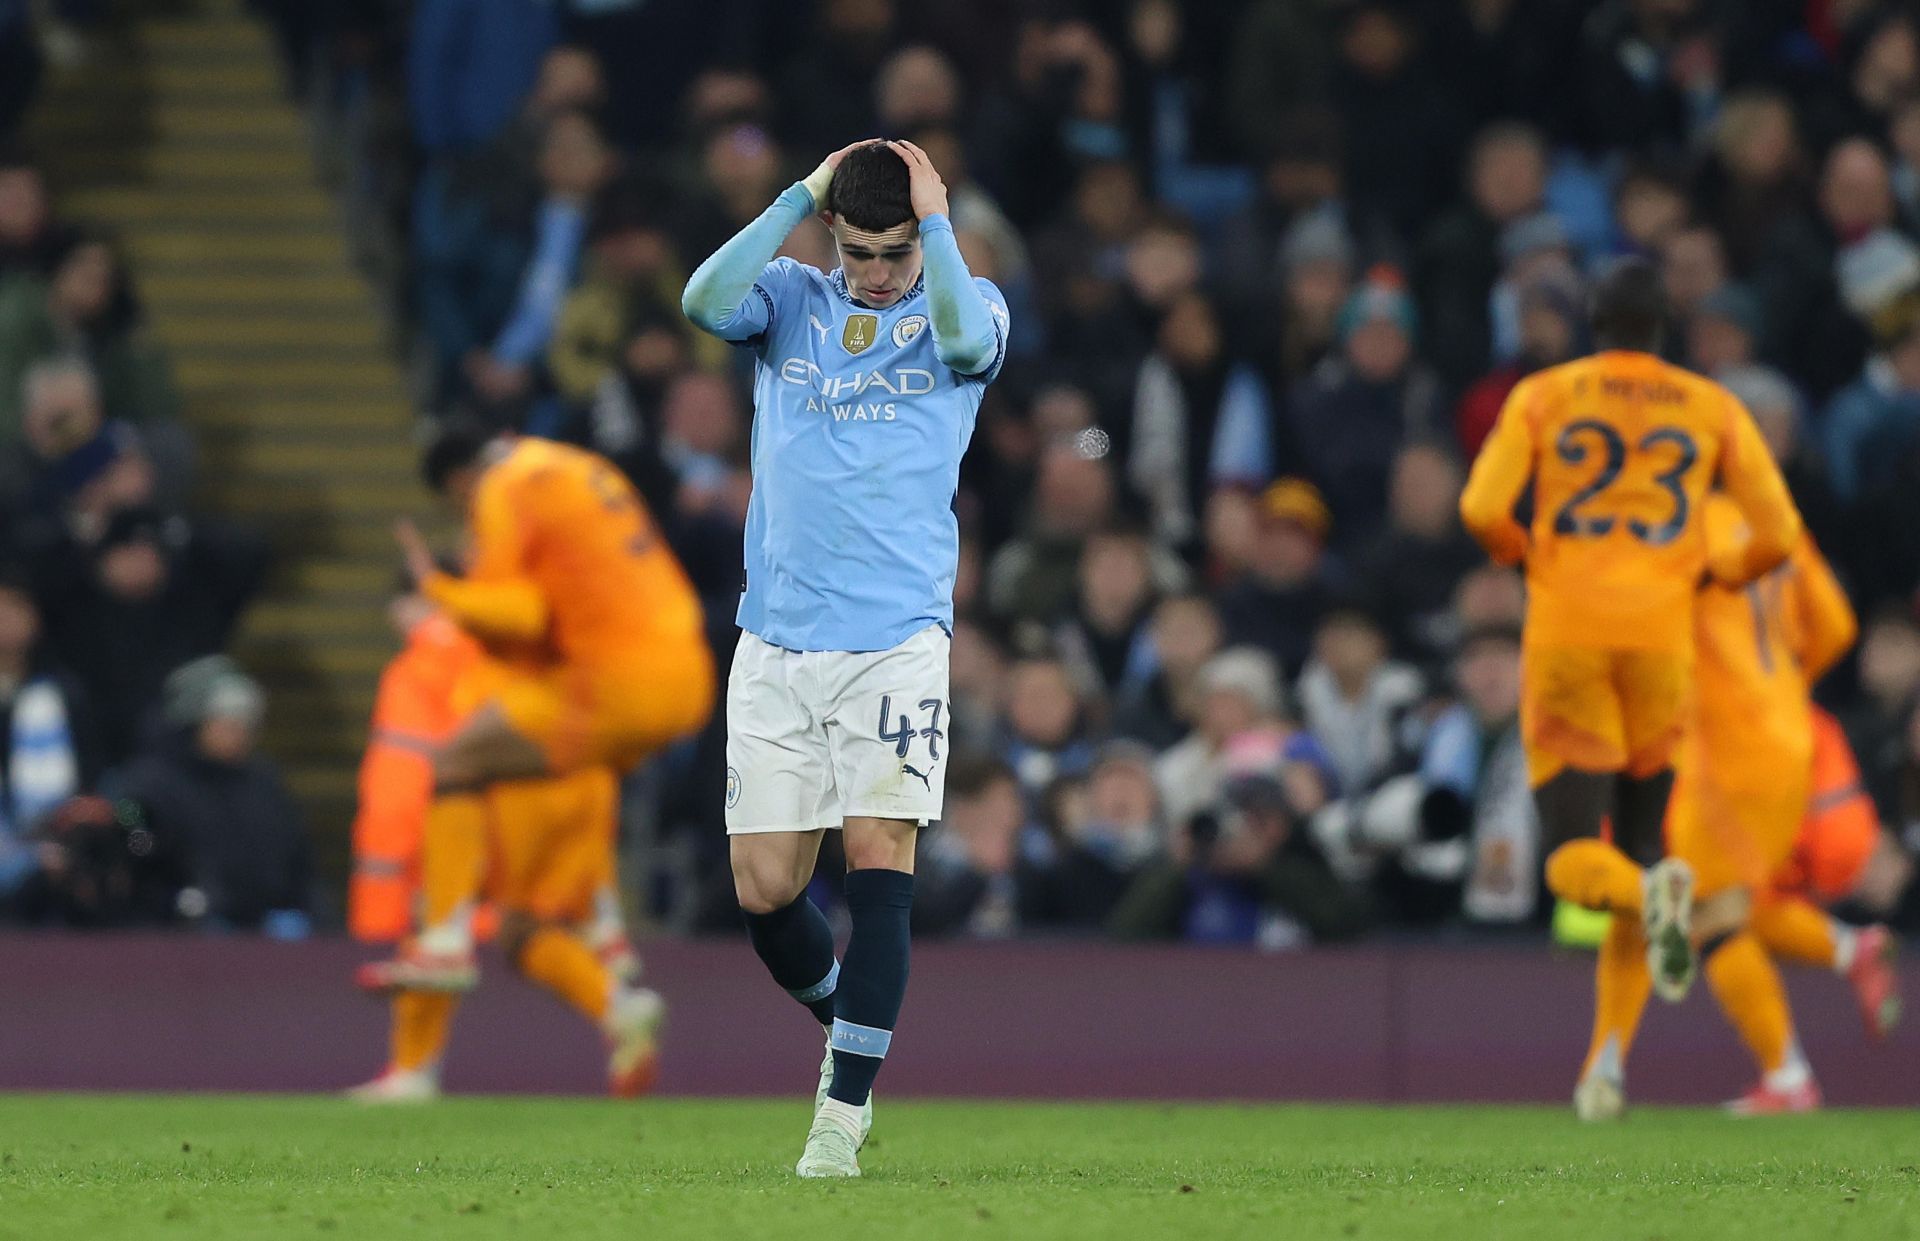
(1630, 307)
(869, 190)
(456, 444)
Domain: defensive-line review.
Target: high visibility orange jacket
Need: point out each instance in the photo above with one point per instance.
(413, 712)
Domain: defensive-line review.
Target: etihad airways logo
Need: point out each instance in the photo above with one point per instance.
(835, 394)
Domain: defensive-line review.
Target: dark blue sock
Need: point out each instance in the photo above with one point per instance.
(873, 982)
(797, 945)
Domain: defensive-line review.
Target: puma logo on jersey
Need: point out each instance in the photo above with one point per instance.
(908, 769)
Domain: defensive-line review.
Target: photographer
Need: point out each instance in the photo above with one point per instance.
(1244, 872)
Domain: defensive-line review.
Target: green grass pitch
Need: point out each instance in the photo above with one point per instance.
(215, 1168)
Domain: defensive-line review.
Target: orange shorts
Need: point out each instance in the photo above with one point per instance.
(1602, 710)
(611, 715)
(551, 843)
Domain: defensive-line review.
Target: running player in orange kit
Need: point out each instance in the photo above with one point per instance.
(1620, 450)
(1745, 775)
(598, 660)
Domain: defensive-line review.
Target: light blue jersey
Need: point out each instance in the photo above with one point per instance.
(858, 432)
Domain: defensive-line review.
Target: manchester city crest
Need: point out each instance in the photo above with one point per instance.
(733, 788)
(908, 330)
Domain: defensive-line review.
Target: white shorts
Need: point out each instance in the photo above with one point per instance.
(816, 737)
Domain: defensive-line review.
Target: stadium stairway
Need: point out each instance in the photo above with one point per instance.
(176, 135)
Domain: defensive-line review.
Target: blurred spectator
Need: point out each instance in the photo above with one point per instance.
(1533, 250)
(153, 592)
(1105, 641)
(1111, 837)
(1480, 856)
(1403, 132)
(575, 163)
(1725, 330)
(1553, 330)
(916, 86)
(1199, 420)
(1873, 425)
(1460, 257)
(84, 310)
(468, 65)
(1880, 725)
(1063, 107)
(1409, 573)
(980, 875)
(1033, 576)
(1316, 278)
(828, 81)
(1159, 709)
(1651, 72)
(1358, 704)
(219, 806)
(1350, 416)
(631, 287)
(1302, 180)
(30, 241)
(1289, 581)
(1776, 411)
(1047, 727)
(45, 735)
(976, 688)
(1490, 597)
(1238, 691)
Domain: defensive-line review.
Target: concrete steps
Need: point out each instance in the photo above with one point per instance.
(176, 136)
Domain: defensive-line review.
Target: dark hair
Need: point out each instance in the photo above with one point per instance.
(870, 189)
(457, 443)
(1629, 307)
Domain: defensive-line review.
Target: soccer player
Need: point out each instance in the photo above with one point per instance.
(866, 389)
(1742, 797)
(597, 639)
(1620, 450)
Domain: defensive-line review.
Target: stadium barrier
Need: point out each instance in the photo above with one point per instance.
(1395, 1022)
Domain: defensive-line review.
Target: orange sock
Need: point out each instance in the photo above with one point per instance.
(453, 859)
(1749, 990)
(421, 1022)
(1620, 988)
(1795, 929)
(1595, 874)
(561, 962)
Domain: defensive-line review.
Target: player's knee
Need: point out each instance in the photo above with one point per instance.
(762, 886)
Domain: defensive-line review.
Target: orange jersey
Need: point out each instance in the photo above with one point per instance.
(1758, 649)
(566, 554)
(1842, 825)
(1621, 450)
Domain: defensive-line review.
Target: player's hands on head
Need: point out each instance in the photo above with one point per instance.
(820, 178)
(414, 550)
(923, 180)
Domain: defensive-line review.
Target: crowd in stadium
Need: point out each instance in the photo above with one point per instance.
(1226, 666)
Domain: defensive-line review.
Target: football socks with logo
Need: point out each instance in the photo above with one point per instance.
(797, 945)
(873, 980)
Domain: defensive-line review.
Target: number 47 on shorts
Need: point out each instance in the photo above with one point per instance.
(904, 732)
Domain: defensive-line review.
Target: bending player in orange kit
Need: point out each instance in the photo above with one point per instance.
(1620, 450)
(600, 661)
(558, 831)
(1744, 787)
